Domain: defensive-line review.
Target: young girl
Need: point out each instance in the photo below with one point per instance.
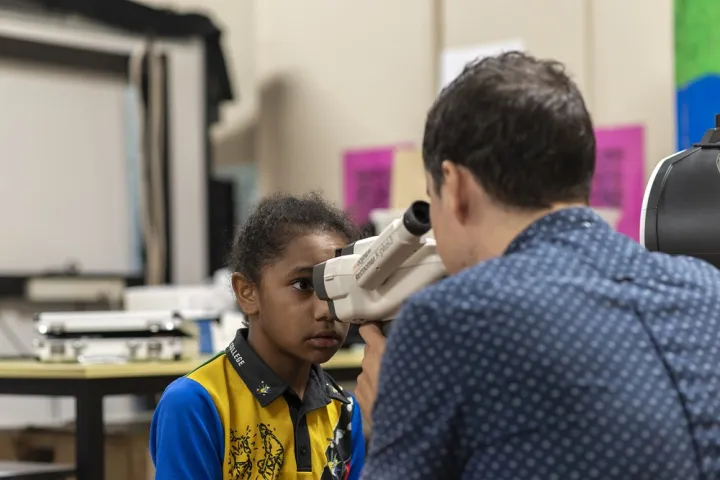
(263, 408)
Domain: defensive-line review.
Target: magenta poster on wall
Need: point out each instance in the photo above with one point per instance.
(619, 181)
(366, 180)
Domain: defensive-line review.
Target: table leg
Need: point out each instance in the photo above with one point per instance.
(90, 435)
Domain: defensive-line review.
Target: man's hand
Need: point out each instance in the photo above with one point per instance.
(366, 390)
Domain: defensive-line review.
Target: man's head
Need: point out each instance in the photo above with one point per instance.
(506, 142)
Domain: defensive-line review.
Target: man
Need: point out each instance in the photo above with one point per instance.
(557, 348)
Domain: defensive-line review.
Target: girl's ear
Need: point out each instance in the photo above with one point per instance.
(246, 294)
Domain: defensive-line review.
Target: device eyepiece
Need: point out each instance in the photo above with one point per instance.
(417, 218)
(318, 280)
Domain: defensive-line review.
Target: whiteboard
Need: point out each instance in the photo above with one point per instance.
(64, 176)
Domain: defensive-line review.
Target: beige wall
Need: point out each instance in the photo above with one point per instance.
(338, 74)
(633, 70)
(620, 53)
(320, 76)
(548, 28)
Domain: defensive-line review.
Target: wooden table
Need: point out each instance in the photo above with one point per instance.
(34, 471)
(89, 384)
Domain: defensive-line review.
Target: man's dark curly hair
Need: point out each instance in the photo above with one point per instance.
(520, 125)
(276, 221)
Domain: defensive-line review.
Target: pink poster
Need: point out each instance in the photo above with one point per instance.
(366, 181)
(619, 181)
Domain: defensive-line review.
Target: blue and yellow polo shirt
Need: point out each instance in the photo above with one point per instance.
(233, 418)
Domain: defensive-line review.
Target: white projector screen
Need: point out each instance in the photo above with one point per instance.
(64, 182)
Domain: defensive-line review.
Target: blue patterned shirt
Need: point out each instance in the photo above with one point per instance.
(577, 354)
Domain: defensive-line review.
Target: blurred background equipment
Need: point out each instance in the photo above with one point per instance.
(110, 111)
(681, 202)
(116, 337)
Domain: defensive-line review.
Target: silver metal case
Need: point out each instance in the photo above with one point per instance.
(121, 336)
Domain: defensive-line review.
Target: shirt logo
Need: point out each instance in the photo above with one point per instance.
(263, 388)
(255, 455)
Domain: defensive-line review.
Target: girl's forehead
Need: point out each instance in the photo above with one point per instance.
(311, 249)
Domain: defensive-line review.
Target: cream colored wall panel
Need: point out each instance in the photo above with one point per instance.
(338, 74)
(549, 28)
(633, 70)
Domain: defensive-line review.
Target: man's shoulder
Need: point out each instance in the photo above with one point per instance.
(682, 265)
(478, 284)
(680, 278)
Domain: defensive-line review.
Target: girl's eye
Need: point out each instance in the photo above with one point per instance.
(303, 285)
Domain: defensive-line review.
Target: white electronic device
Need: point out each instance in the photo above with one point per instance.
(213, 298)
(115, 336)
(368, 280)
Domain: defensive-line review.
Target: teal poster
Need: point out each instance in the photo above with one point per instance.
(697, 68)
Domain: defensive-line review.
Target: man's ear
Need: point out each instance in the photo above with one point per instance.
(246, 294)
(455, 191)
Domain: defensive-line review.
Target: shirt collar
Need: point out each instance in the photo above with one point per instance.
(555, 223)
(266, 385)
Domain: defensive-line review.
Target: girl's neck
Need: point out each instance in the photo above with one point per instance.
(291, 370)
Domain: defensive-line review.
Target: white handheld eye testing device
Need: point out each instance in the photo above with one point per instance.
(368, 280)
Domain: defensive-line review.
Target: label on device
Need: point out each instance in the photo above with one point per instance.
(378, 253)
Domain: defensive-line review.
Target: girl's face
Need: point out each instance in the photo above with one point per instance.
(284, 308)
